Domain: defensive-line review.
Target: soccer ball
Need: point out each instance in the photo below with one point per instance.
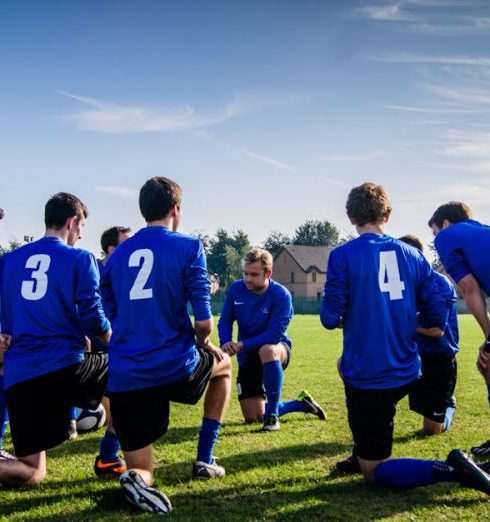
(91, 420)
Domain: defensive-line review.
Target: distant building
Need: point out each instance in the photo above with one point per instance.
(302, 269)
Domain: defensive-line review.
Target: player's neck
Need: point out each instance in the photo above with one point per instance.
(61, 234)
(263, 290)
(370, 228)
(166, 222)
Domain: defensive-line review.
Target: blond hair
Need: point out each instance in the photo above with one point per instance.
(258, 254)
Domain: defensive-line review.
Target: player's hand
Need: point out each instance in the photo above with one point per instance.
(5, 341)
(229, 348)
(217, 353)
(482, 362)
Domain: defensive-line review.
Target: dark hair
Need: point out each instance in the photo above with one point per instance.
(62, 206)
(368, 203)
(110, 237)
(157, 196)
(414, 241)
(454, 212)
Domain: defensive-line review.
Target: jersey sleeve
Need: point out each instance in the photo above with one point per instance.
(281, 314)
(431, 303)
(335, 296)
(197, 283)
(107, 293)
(451, 257)
(87, 296)
(226, 320)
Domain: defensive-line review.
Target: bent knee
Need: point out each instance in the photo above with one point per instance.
(269, 352)
(253, 419)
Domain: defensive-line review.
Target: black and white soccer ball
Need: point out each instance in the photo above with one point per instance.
(91, 420)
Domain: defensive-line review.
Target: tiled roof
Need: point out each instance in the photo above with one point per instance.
(310, 256)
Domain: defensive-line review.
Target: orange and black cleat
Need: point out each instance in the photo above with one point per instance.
(109, 469)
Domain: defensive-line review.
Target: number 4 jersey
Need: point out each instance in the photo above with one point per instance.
(49, 300)
(148, 282)
(375, 287)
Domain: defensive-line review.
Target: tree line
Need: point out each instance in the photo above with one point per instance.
(225, 249)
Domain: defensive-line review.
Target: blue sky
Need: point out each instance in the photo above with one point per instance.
(266, 112)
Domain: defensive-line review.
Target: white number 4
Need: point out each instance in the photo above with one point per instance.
(389, 275)
(138, 290)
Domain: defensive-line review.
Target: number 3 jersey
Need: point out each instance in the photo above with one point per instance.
(375, 287)
(49, 300)
(148, 282)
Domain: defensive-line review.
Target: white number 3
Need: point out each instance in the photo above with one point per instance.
(389, 275)
(35, 290)
(138, 290)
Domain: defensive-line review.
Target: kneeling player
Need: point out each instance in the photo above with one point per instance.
(432, 396)
(156, 355)
(49, 298)
(375, 287)
(263, 309)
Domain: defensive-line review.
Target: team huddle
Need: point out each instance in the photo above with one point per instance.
(76, 332)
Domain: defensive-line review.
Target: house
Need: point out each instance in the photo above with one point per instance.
(302, 269)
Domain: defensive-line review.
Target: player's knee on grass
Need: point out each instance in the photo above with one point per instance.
(253, 409)
(368, 467)
(431, 427)
(272, 352)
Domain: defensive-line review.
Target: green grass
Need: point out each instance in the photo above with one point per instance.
(277, 476)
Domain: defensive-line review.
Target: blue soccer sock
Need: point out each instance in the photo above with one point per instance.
(410, 473)
(289, 407)
(109, 446)
(448, 420)
(272, 376)
(208, 435)
(3, 412)
(75, 412)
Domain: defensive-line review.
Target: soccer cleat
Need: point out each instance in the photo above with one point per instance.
(485, 466)
(72, 429)
(5, 455)
(468, 473)
(348, 465)
(483, 450)
(203, 470)
(108, 469)
(311, 406)
(271, 423)
(138, 493)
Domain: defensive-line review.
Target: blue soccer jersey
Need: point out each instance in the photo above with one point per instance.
(447, 344)
(261, 318)
(464, 248)
(375, 286)
(49, 300)
(148, 281)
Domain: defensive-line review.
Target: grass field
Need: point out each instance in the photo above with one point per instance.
(276, 476)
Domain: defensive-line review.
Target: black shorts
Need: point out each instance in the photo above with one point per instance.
(249, 379)
(371, 414)
(433, 392)
(141, 416)
(39, 408)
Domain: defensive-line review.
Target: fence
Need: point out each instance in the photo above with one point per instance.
(311, 306)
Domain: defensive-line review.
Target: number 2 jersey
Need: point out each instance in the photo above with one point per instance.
(375, 287)
(49, 301)
(148, 282)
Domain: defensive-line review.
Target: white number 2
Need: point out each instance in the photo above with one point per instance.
(35, 290)
(389, 275)
(138, 290)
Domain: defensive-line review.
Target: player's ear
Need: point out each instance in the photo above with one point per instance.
(446, 223)
(268, 273)
(70, 222)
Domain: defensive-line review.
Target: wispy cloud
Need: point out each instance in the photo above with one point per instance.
(206, 136)
(390, 12)
(124, 192)
(430, 110)
(473, 194)
(351, 157)
(467, 95)
(476, 61)
(112, 118)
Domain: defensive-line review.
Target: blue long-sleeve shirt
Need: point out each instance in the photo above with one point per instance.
(147, 283)
(464, 248)
(375, 286)
(446, 345)
(261, 318)
(49, 300)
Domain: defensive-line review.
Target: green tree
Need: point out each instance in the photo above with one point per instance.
(13, 244)
(316, 233)
(275, 241)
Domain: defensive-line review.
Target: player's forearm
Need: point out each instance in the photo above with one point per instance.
(202, 330)
(477, 306)
(430, 332)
